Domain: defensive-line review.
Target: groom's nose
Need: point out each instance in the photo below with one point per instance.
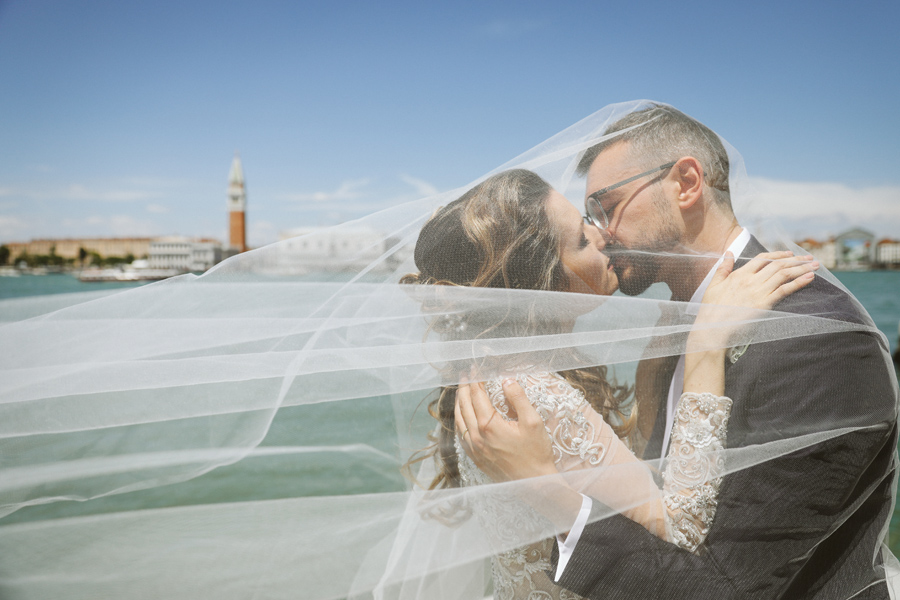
(597, 237)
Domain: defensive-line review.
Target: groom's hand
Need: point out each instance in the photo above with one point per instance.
(504, 450)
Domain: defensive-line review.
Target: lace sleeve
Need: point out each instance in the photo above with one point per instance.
(694, 466)
(581, 439)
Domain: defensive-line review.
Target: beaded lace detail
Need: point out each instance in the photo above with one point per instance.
(691, 478)
(694, 466)
(520, 573)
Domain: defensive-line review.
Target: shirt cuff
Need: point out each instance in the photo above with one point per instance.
(567, 546)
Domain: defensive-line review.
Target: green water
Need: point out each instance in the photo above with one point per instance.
(367, 421)
(878, 291)
(39, 285)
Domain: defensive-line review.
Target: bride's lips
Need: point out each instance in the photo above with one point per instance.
(610, 261)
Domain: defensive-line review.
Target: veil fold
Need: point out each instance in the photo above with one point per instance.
(241, 433)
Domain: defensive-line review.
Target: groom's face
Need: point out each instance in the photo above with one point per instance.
(642, 224)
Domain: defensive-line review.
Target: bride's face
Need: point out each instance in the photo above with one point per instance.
(580, 249)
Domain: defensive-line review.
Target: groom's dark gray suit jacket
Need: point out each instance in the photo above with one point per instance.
(804, 525)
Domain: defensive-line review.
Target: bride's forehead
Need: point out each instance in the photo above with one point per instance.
(561, 211)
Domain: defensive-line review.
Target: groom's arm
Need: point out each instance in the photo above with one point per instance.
(801, 523)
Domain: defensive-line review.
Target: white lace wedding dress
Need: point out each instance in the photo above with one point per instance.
(581, 439)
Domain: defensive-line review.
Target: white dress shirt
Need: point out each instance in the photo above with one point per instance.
(567, 546)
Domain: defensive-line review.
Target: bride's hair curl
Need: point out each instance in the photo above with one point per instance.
(498, 235)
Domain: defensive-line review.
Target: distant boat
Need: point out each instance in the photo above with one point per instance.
(92, 275)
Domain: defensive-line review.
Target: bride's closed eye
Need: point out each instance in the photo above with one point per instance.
(583, 242)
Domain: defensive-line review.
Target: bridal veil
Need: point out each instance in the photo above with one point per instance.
(240, 434)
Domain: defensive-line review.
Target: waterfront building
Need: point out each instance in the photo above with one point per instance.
(887, 253)
(327, 249)
(237, 207)
(184, 254)
(70, 248)
(825, 252)
(855, 249)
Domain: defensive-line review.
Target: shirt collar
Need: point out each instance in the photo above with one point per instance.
(736, 248)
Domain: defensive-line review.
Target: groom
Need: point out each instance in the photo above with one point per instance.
(804, 525)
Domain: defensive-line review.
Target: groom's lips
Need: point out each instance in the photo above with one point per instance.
(613, 256)
(618, 259)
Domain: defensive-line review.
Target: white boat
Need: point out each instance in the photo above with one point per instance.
(127, 275)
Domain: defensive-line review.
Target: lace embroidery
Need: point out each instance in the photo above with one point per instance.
(691, 479)
(520, 573)
(553, 397)
(693, 468)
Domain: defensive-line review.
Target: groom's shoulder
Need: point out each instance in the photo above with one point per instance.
(821, 298)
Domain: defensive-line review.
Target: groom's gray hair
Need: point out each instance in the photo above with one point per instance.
(661, 134)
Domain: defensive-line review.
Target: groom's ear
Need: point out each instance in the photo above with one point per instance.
(688, 176)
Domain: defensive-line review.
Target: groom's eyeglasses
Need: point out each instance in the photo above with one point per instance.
(596, 215)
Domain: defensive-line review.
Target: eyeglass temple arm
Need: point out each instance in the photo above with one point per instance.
(596, 195)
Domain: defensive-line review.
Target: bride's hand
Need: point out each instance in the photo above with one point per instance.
(504, 450)
(760, 284)
(764, 281)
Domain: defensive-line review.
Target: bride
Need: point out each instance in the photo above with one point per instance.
(514, 231)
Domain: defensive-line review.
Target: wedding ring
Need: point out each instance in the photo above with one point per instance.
(464, 434)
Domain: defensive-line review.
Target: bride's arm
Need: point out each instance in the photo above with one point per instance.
(693, 466)
(513, 450)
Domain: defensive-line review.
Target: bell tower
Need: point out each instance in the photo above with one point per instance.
(237, 206)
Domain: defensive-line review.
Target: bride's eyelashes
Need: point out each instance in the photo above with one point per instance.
(583, 242)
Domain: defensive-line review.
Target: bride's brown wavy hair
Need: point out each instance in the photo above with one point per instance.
(498, 235)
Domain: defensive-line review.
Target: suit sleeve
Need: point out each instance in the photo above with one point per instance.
(794, 526)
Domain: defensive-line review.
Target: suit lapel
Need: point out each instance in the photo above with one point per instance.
(657, 375)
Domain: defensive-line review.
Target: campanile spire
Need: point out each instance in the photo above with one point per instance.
(237, 206)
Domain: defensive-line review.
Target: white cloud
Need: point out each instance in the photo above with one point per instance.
(262, 233)
(824, 208)
(158, 209)
(347, 190)
(422, 187)
(155, 182)
(799, 198)
(11, 228)
(111, 226)
(77, 191)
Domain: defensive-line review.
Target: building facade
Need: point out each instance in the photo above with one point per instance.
(184, 254)
(887, 253)
(825, 252)
(327, 249)
(70, 248)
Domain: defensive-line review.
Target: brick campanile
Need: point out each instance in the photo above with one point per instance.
(237, 206)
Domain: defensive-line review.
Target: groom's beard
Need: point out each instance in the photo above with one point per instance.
(638, 267)
(635, 270)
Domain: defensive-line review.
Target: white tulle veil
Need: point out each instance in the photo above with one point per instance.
(240, 434)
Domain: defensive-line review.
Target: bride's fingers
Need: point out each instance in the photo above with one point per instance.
(764, 259)
(466, 423)
(724, 269)
(481, 405)
(777, 264)
(779, 272)
(518, 402)
(792, 285)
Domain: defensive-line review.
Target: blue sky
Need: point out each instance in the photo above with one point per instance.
(121, 118)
